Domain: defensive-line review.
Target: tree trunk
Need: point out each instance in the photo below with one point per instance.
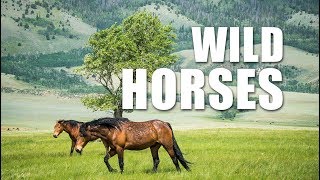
(117, 113)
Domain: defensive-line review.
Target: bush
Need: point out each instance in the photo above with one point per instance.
(38, 21)
(33, 6)
(229, 114)
(26, 26)
(19, 44)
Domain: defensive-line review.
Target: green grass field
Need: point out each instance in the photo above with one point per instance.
(215, 153)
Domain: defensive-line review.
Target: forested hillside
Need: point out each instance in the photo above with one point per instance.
(40, 37)
(32, 27)
(303, 34)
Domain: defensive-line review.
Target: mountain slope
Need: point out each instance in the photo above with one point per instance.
(41, 29)
(297, 66)
(227, 13)
(170, 15)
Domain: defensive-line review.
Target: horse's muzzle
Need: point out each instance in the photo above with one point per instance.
(78, 150)
(55, 136)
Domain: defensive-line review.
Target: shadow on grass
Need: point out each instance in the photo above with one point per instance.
(165, 170)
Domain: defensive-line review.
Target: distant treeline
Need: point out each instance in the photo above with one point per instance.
(58, 59)
(229, 13)
(39, 70)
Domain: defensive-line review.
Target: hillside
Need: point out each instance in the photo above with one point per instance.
(169, 15)
(45, 38)
(10, 81)
(58, 25)
(28, 27)
(297, 18)
(304, 19)
(297, 66)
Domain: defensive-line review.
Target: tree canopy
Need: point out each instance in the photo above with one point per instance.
(141, 41)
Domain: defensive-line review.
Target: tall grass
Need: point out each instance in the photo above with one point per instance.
(215, 153)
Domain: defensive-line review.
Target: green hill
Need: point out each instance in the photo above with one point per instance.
(228, 13)
(28, 27)
(304, 19)
(291, 56)
(59, 29)
(297, 66)
(169, 15)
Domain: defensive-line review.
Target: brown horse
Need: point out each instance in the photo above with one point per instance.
(121, 135)
(72, 128)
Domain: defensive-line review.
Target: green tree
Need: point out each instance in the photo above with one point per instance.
(140, 41)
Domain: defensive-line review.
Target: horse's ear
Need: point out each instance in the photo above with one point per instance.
(60, 121)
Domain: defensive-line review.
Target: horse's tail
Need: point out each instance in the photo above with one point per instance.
(178, 152)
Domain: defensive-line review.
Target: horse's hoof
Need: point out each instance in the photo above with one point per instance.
(113, 170)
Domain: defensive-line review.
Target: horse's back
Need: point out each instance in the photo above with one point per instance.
(140, 135)
(156, 123)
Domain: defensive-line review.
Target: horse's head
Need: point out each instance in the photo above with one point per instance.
(58, 128)
(84, 137)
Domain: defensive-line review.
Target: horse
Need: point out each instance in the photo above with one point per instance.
(72, 128)
(121, 135)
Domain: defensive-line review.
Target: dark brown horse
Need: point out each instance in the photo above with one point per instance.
(121, 135)
(72, 128)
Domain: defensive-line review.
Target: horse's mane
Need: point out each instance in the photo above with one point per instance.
(107, 121)
(113, 123)
(72, 123)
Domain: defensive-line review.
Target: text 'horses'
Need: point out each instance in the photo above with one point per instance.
(120, 135)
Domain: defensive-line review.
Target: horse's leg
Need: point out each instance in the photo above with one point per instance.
(106, 146)
(111, 153)
(171, 153)
(120, 158)
(154, 151)
(73, 143)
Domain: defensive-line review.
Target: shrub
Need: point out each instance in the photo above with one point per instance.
(26, 26)
(229, 114)
(33, 6)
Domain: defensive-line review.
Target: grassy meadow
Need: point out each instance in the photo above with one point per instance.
(215, 153)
